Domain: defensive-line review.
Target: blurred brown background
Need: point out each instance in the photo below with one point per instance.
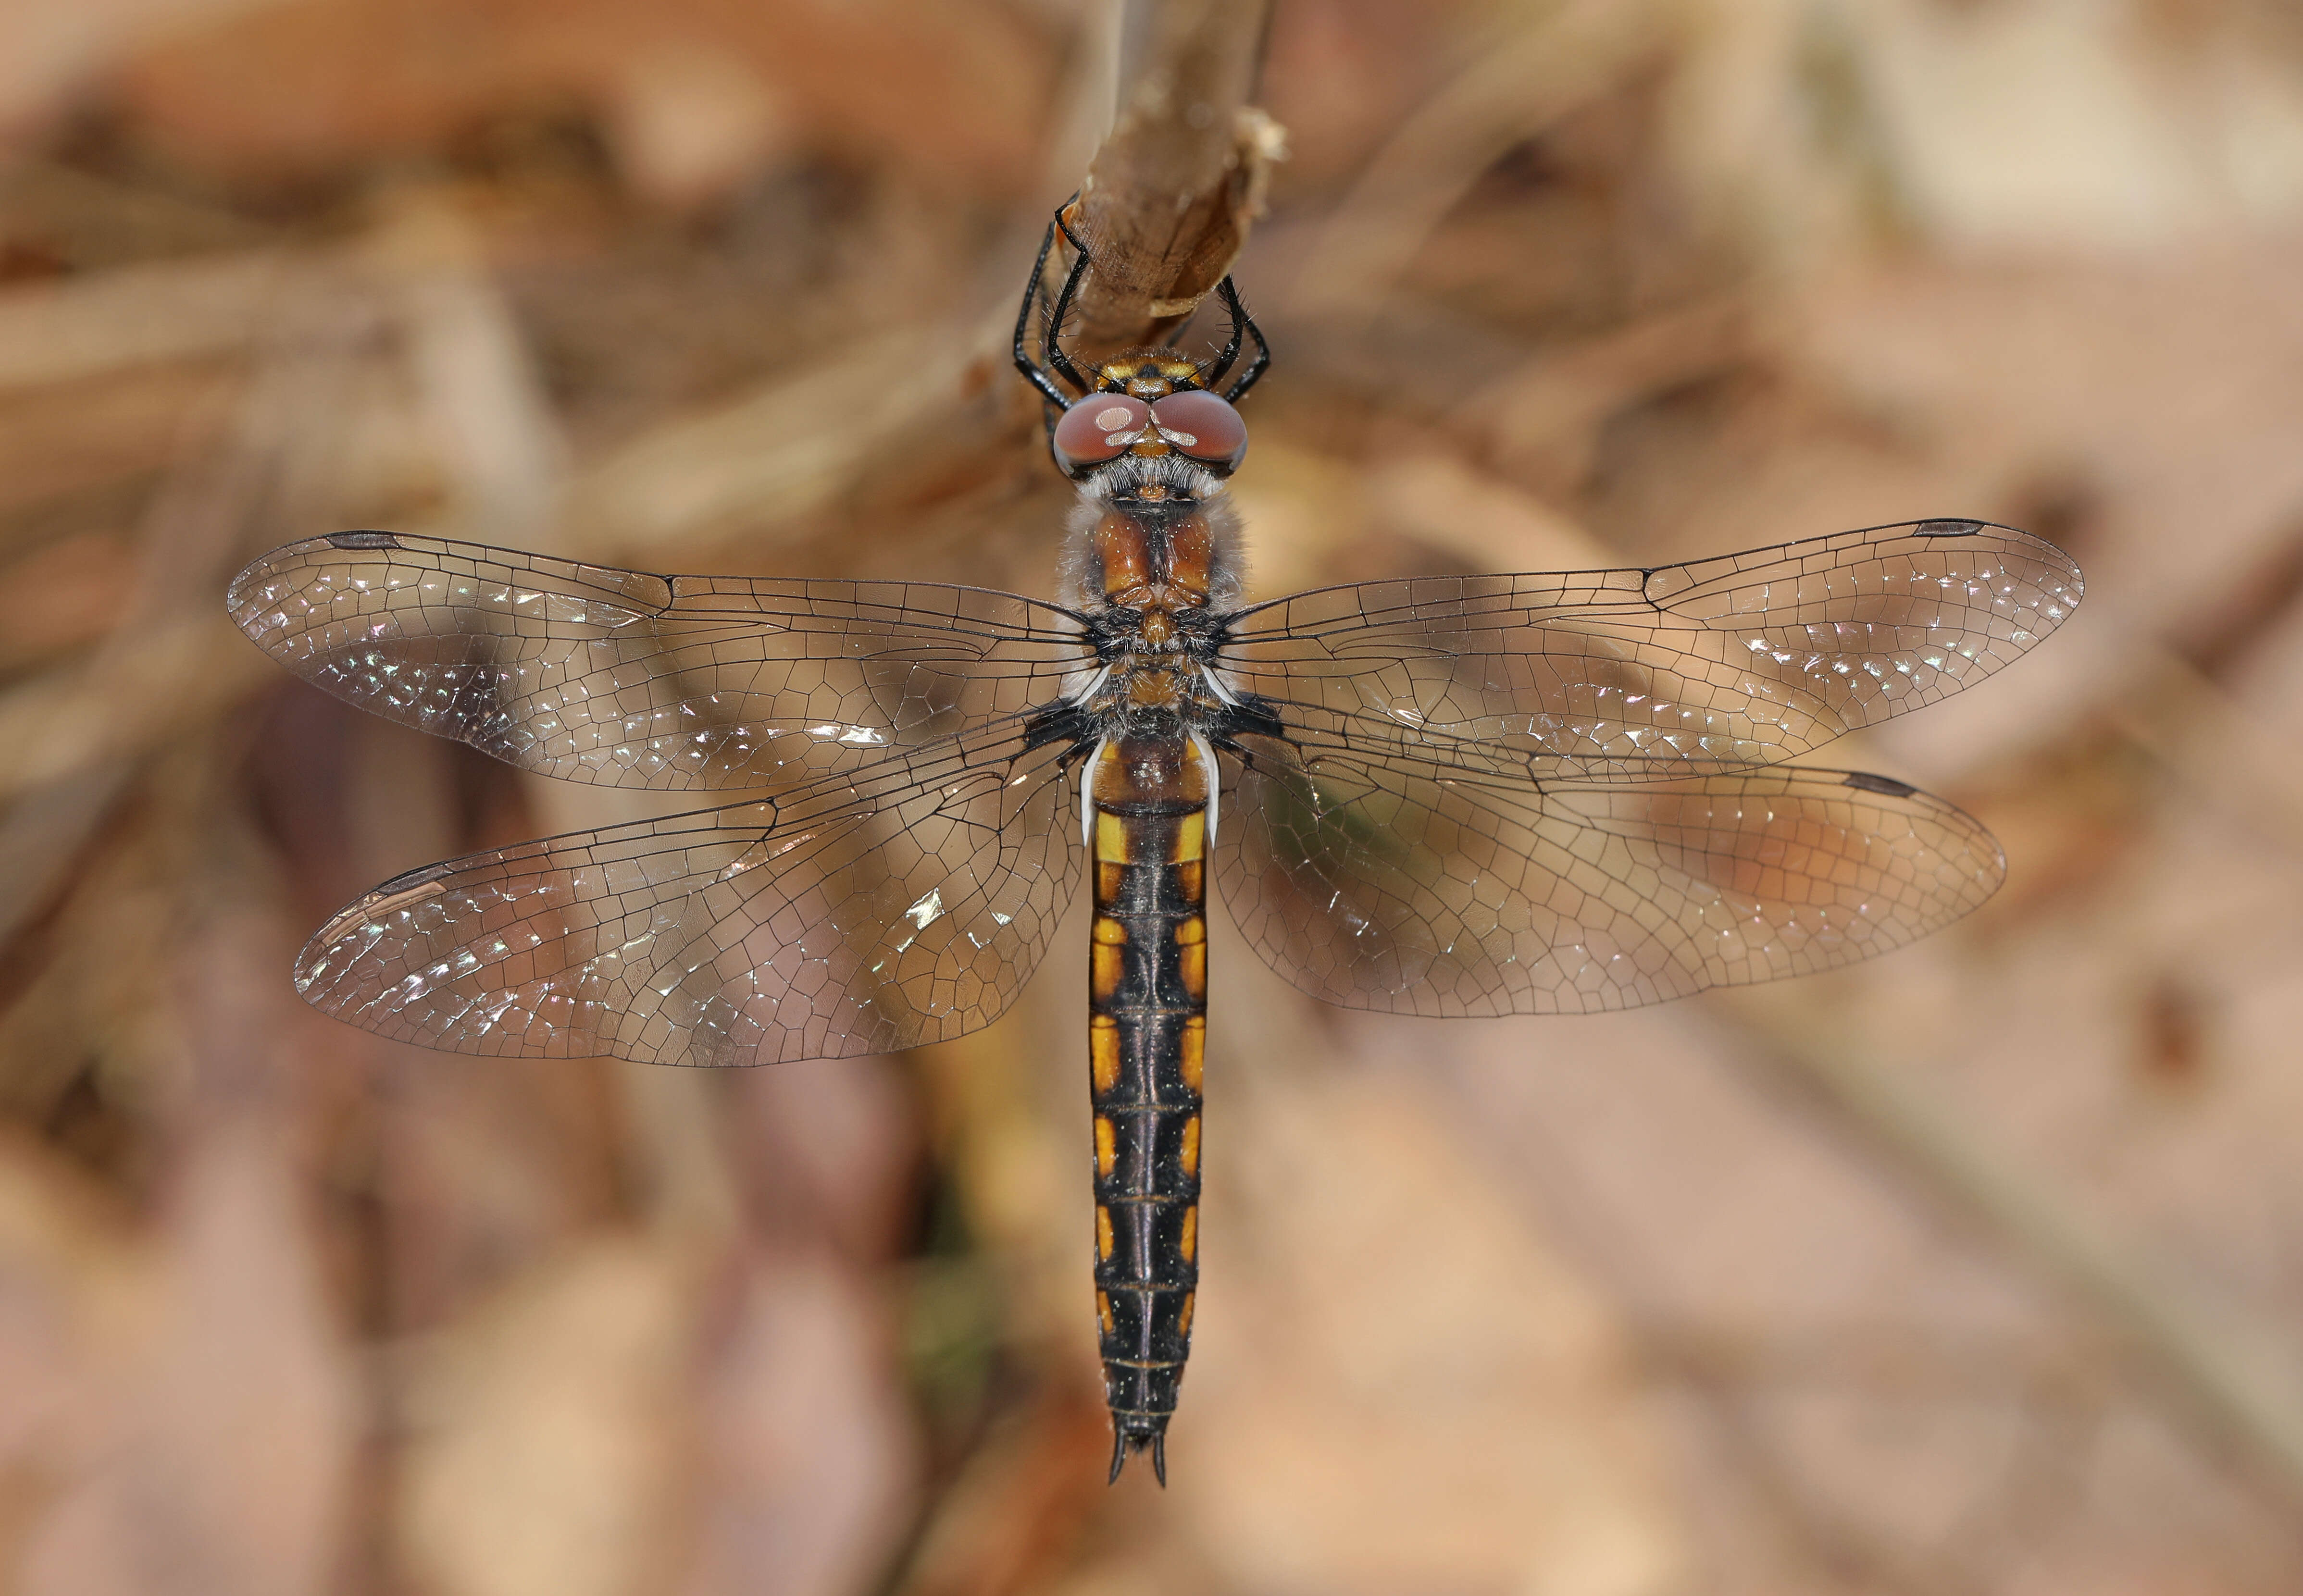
(1976, 1270)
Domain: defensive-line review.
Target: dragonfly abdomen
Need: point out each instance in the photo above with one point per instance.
(1147, 1033)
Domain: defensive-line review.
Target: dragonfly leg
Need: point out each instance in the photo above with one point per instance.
(1053, 349)
(1035, 371)
(1240, 320)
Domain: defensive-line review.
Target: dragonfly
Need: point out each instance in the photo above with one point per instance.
(1447, 796)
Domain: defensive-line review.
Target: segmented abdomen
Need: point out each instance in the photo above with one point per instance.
(1147, 1033)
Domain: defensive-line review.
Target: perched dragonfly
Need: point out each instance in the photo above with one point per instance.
(1445, 796)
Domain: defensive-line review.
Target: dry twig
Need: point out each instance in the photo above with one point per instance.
(1169, 198)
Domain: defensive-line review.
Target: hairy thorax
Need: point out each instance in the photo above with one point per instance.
(1152, 561)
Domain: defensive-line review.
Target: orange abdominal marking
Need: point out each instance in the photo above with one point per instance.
(1107, 958)
(1103, 1051)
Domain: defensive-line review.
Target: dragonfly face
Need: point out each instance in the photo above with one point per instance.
(1447, 796)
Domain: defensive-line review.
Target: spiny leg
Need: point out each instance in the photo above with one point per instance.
(1040, 380)
(1230, 297)
(1052, 350)
(1240, 319)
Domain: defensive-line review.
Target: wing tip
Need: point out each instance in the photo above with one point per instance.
(1961, 526)
(240, 595)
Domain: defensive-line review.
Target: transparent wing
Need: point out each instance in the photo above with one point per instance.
(853, 915)
(1630, 674)
(627, 679)
(1407, 885)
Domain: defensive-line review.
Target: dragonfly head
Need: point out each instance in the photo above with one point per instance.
(1200, 426)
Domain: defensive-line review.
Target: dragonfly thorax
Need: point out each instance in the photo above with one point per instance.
(1152, 534)
(1153, 563)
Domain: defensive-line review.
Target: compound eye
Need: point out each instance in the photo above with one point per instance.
(1099, 428)
(1203, 426)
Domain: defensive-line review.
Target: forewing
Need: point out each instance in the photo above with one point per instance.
(853, 916)
(1408, 887)
(1630, 674)
(623, 678)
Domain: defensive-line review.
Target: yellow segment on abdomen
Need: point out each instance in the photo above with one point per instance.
(1111, 839)
(1191, 956)
(1103, 1051)
(1191, 844)
(1106, 958)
